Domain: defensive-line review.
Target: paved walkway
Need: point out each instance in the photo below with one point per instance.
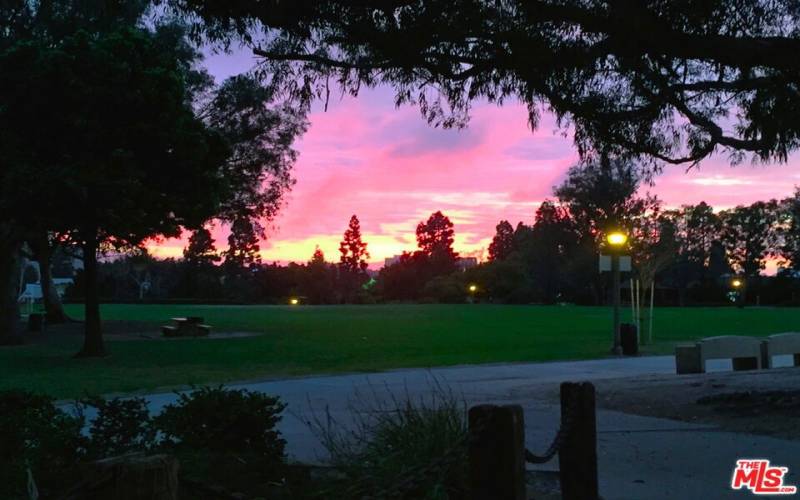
(639, 457)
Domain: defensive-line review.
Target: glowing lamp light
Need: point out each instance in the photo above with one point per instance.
(736, 283)
(473, 288)
(294, 301)
(617, 238)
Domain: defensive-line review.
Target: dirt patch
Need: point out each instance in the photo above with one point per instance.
(114, 330)
(765, 402)
(759, 402)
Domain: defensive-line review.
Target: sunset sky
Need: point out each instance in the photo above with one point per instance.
(388, 166)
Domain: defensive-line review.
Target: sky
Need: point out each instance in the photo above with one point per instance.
(386, 165)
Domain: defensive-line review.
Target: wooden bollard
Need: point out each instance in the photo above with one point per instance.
(497, 452)
(577, 457)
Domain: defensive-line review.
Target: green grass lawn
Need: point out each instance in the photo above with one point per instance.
(304, 340)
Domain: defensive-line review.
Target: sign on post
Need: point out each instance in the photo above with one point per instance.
(604, 264)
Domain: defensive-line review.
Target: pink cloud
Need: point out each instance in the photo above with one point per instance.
(363, 156)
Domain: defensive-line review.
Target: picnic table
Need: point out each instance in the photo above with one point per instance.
(191, 326)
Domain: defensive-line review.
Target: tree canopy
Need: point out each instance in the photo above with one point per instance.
(112, 133)
(503, 241)
(667, 81)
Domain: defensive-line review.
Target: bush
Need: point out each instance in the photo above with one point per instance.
(402, 449)
(36, 435)
(223, 437)
(449, 289)
(121, 426)
(223, 420)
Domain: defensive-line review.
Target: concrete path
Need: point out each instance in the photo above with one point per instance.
(639, 457)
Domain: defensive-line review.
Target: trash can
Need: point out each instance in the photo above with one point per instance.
(35, 322)
(630, 339)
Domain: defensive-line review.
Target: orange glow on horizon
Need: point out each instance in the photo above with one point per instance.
(380, 246)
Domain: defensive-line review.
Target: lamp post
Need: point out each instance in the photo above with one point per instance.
(616, 241)
(738, 286)
(472, 289)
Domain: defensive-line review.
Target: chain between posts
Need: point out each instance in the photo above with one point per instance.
(563, 430)
(408, 478)
(411, 478)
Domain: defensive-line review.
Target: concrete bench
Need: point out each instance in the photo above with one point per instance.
(780, 343)
(745, 352)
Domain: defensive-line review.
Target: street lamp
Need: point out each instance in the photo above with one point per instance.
(738, 285)
(472, 289)
(616, 241)
(294, 301)
(617, 238)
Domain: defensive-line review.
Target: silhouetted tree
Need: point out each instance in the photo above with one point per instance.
(260, 133)
(318, 258)
(243, 246)
(554, 242)
(700, 227)
(405, 279)
(435, 238)
(353, 250)
(201, 252)
(124, 166)
(697, 229)
(199, 273)
(790, 215)
(649, 77)
(653, 246)
(601, 195)
(121, 166)
(749, 236)
(503, 241)
(32, 53)
(319, 280)
(352, 260)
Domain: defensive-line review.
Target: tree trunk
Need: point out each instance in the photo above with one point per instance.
(9, 279)
(93, 345)
(54, 309)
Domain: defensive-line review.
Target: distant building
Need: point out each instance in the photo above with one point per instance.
(464, 263)
(390, 261)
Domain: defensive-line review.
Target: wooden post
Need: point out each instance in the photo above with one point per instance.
(577, 458)
(650, 323)
(497, 452)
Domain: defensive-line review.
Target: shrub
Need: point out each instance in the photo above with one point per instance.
(120, 426)
(223, 420)
(403, 448)
(449, 289)
(36, 435)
